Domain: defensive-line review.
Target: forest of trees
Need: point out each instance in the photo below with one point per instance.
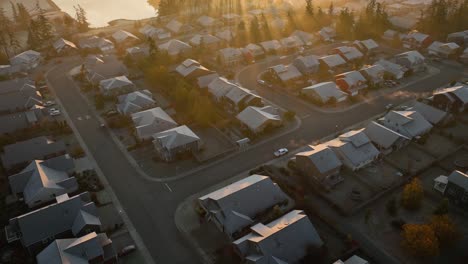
(443, 17)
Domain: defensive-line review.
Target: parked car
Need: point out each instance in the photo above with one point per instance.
(111, 113)
(54, 113)
(49, 103)
(389, 106)
(126, 250)
(280, 152)
(264, 83)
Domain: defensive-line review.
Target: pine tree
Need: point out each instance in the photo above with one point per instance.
(331, 9)
(309, 7)
(8, 40)
(81, 19)
(14, 12)
(44, 28)
(33, 37)
(23, 15)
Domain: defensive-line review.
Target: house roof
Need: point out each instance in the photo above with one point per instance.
(459, 178)
(149, 121)
(461, 92)
(205, 39)
(206, 21)
(17, 85)
(286, 72)
(351, 77)
(191, 68)
(95, 42)
(254, 117)
(431, 114)
(115, 83)
(375, 71)
(413, 56)
(62, 43)
(228, 53)
(25, 57)
(176, 26)
(134, 51)
(393, 68)
(226, 34)
(237, 204)
(254, 49)
(305, 37)
(205, 80)
(322, 157)
(237, 94)
(271, 45)
(283, 240)
(31, 149)
(412, 123)
(57, 218)
(99, 68)
(381, 135)
(220, 86)
(175, 137)
(370, 44)
(291, 42)
(77, 250)
(309, 61)
(404, 22)
(417, 36)
(42, 175)
(327, 33)
(349, 53)
(174, 47)
(355, 146)
(135, 101)
(122, 35)
(333, 60)
(325, 90)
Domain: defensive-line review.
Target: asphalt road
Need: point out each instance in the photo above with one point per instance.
(151, 206)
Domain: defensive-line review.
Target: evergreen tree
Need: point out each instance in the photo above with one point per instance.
(81, 19)
(44, 28)
(33, 36)
(255, 29)
(331, 9)
(23, 15)
(14, 12)
(8, 40)
(309, 7)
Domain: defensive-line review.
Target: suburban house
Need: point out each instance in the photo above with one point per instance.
(277, 24)
(285, 240)
(26, 60)
(325, 92)
(116, 85)
(155, 33)
(352, 260)
(368, 46)
(192, 69)
(6, 70)
(96, 42)
(122, 37)
(374, 74)
(18, 95)
(390, 35)
(257, 119)
(392, 70)
(206, 41)
(286, 74)
(320, 165)
(135, 102)
(137, 52)
(348, 53)
(385, 139)
(307, 64)
(452, 99)
(98, 68)
(152, 121)
(177, 27)
(306, 38)
(332, 63)
(291, 44)
(231, 18)
(175, 47)
(272, 47)
(208, 22)
(408, 123)
(90, 248)
(433, 115)
(416, 40)
(351, 82)
(226, 35)
(231, 56)
(205, 80)
(42, 180)
(443, 50)
(219, 87)
(412, 60)
(255, 51)
(457, 188)
(354, 149)
(170, 143)
(236, 206)
(62, 46)
(461, 38)
(39, 148)
(68, 217)
(327, 34)
(21, 120)
(239, 98)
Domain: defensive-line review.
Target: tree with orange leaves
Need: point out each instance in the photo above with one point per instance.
(445, 230)
(420, 240)
(412, 195)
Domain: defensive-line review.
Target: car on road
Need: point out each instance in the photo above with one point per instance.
(280, 152)
(54, 113)
(389, 106)
(111, 113)
(49, 103)
(126, 250)
(264, 83)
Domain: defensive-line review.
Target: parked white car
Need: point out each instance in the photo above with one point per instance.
(49, 103)
(280, 152)
(56, 112)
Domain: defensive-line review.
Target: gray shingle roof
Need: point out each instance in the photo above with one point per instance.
(459, 178)
(322, 157)
(382, 135)
(175, 137)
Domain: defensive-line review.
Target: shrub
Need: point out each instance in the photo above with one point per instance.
(420, 240)
(412, 195)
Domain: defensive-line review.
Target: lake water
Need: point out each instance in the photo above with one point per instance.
(100, 12)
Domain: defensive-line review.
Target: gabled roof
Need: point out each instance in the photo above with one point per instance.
(322, 157)
(254, 49)
(55, 219)
(220, 86)
(237, 94)
(206, 21)
(351, 77)
(205, 39)
(50, 176)
(174, 47)
(291, 42)
(205, 80)
(413, 56)
(333, 60)
(62, 43)
(355, 146)
(236, 206)
(369, 44)
(459, 178)
(375, 71)
(78, 250)
(349, 53)
(122, 35)
(228, 53)
(25, 57)
(149, 121)
(175, 137)
(305, 37)
(115, 83)
(325, 90)
(309, 61)
(226, 34)
(431, 114)
(393, 68)
(285, 240)
(271, 45)
(461, 92)
(381, 135)
(417, 36)
(254, 117)
(135, 101)
(286, 72)
(191, 68)
(408, 123)
(176, 26)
